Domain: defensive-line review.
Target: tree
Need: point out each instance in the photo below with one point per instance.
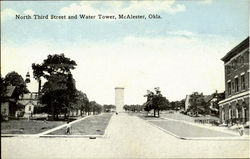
(95, 107)
(14, 79)
(163, 104)
(82, 101)
(197, 104)
(38, 73)
(156, 101)
(177, 105)
(133, 108)
(2, 86)
(59, 92)
(108, 107)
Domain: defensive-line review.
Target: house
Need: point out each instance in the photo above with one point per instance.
(207, 104)
(8, 102)
(199, 107)
(235, 107)
(29, 101)
(212, 102)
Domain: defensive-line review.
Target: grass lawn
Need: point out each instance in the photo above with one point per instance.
(179, 116)
(94, 125)
(28, 127)
(187, 130)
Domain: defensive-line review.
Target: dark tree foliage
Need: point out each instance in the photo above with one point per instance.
(2, 86)
(38, 73)
(14, 79)
(133, 107)
(82, 101)
(95, 107)
(177, 105)
(59, 92)
(197, 104)
(155, 101)
(108, 107)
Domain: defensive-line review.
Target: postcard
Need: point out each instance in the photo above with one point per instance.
(125, 79)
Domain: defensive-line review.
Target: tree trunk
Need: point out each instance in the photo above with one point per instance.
(65, 115)
(53, 113)
(154, 112)
(158, 113)
(39, 86)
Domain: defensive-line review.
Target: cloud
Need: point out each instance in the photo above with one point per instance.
(29, 12)
(176, 64)
(120, 7)
(182, 33)
(7, 14)
(205, 2)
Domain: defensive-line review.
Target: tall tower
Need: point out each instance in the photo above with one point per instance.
(119, 98)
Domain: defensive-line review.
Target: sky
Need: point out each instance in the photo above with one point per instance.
(180, 52)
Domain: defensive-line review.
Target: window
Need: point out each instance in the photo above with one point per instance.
(243, 85)
(29, 108)
(229, 88)
(247, 80)
(247, 58)
(228, 69)
(234, 64)
(232, 86)
(237, 62)
(236, 84)
(241, 60)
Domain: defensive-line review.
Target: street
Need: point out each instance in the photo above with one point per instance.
(128, 137)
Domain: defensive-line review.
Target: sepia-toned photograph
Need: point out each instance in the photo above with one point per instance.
(124, 79)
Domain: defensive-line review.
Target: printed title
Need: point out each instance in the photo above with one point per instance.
(87, 17)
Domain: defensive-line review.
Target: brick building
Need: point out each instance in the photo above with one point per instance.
(235, 107)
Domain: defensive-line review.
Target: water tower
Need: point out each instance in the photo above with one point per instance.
(119, 98)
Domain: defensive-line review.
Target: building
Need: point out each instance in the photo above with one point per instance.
(207, 104)
(235, 107)
(119, 98)
(8, 102)
(212, 102)
(187, 102)
(29, 101)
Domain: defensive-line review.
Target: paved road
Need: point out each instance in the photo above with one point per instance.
(128, 137)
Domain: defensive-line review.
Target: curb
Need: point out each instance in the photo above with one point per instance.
(199, 138)
(106, 132)
(19, 135)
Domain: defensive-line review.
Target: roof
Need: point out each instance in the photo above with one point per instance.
(207, 98)
(243, 45)
(9, 91)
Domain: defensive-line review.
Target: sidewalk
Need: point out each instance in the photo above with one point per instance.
(214, 128)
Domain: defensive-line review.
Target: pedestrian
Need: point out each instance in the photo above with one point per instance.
(68, 128)
(241, 129)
